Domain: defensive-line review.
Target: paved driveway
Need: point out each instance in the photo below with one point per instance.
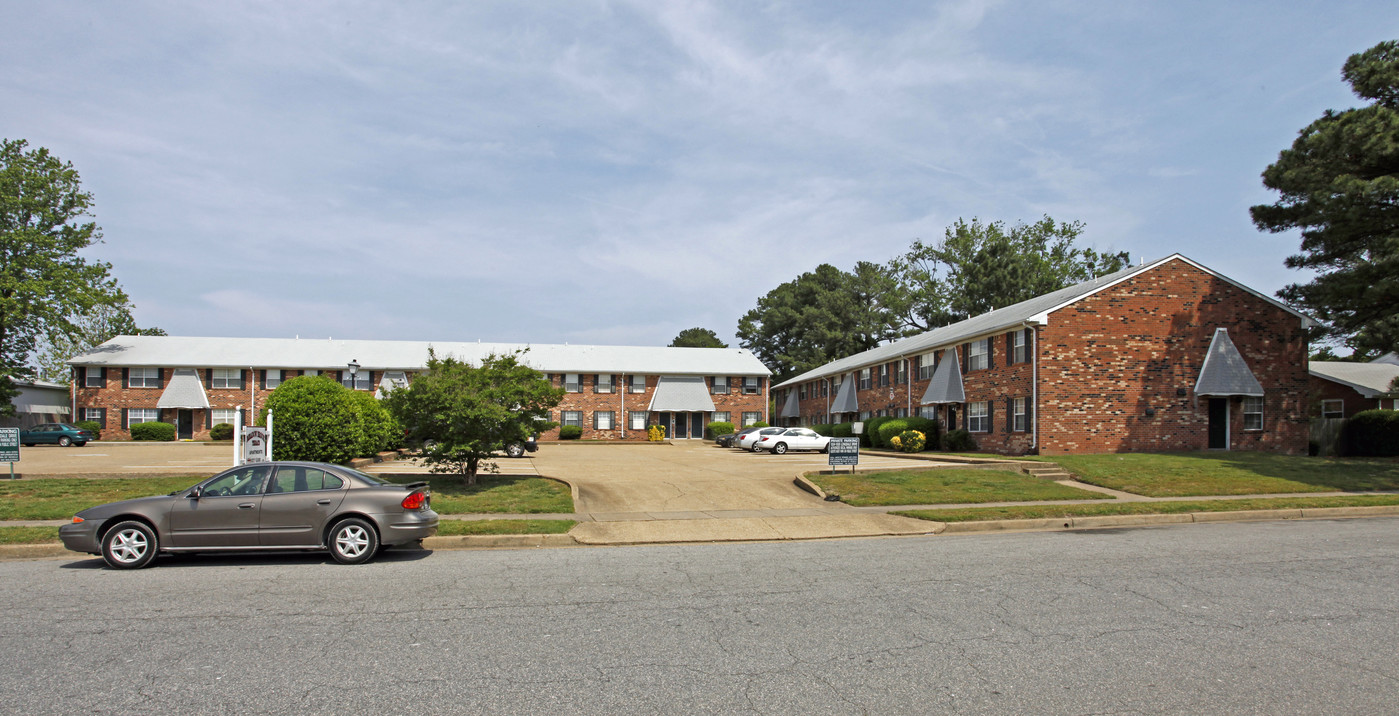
(102, 459)
(688, 476)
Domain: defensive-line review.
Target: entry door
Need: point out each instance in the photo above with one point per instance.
(697, 426)
(185, 424)
(682, 425)
(1219, 423)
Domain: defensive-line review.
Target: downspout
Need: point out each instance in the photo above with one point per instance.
(827, 381)
(767, 389)
(1034, 387)
(623, 389)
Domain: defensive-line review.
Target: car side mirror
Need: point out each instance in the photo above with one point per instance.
(195, 493)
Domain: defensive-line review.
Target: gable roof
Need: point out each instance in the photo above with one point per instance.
(1033, 311)
(1370, 380)
(946, 385)
(310, 353)
(1225, 372)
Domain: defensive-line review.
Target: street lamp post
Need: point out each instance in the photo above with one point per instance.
(354, 369)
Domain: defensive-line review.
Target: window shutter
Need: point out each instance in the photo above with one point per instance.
(208, 418)
(102, 417)
(596, 388)
(160, 377)
(966, 349)
(1027, 344)
(595, 417)
(243, 412)
(261, 378)
(1010, 415)
(209, 378)
(990, 416)
(125, 383)
(124, 422)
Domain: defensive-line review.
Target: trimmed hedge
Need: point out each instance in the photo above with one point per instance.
(843, 430)
(92, 426)
(718, 428)
(163, 432)
(319, 419)
(888, 430)
(958, 441)
(870, 436)
(760, 424)
(222, 431)
(381, 431)
(570, 432)
(930, 428)
(1370, 433)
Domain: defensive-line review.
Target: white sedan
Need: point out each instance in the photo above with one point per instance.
(792, 439)
(747, 441)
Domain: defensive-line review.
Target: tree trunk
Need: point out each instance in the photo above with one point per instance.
(468, 473)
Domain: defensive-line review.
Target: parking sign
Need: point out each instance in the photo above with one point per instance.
(9, 444)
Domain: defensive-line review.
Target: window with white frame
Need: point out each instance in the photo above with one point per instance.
(721, 416)
(602, 384)
(223, 415)
(312, 372)
(572, 383)
(925, 366)
(751, 385)
(571, 417)
(136, 416)
(865, 415)
(1019, 418)
(1253, 412)
(94, 378)
(883, 372)
(363, 379)
(978, 417)
(901, 372)
(1018, 350)
(604, 420)
(719, 385)
(638, 383)
(801, 391)
(226, 378)
(901, 412)
(1333, 408)
(865, 380)
(824, 387)
(928, 411)
(93, 414)
(273, 378)
(143, 378)
(977, 355)
(751, 417)
(636, 420)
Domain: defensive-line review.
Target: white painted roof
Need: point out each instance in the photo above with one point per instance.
(325, 354)
(1033, 311)
(1368, 379)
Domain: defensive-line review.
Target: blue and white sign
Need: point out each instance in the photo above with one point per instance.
(843, 451)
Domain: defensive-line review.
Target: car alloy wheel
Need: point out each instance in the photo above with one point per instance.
(64, 441)
(353, 541)
(779, 449)
(129, 545)
(515, 450)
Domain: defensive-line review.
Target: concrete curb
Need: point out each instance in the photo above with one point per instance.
(499, 541)
(1107, 521)
(802, 482)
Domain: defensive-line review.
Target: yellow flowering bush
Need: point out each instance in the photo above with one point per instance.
(909, 441)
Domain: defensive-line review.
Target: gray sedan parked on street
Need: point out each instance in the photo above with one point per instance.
(263, 506)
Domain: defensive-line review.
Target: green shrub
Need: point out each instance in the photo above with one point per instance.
(719, 427)
(222, 431)
(930, 428)
(826, 429)
(1370, 433)
(888, 430)
(92, 426)
(759, 424)
(958, 441)
(381, 431)
(153, 431)
(316, 419)
(871, 438)
(908, 441)
(570, 432)
(843, 430)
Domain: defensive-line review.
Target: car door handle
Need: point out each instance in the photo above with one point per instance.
(323, 502)
(247, 505)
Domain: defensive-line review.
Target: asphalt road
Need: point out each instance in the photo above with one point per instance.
(1238, 618)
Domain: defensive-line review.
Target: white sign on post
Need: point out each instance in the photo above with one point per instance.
(254, 445)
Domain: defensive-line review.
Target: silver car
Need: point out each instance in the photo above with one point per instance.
(263, 506)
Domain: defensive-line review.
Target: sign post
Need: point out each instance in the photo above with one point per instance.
(843, 451)
(9, 448)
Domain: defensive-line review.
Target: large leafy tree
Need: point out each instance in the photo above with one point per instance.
(1339, 184)
(463, 413)
(697, 338)
(978, 267)
(817, 317)
(90, 330)
(44, 284)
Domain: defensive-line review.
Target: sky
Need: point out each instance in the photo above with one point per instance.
(615, 172)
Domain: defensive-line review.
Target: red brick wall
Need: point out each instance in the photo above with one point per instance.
(115, 398)
(589, 402)
(1323, 389)
(1107, 359)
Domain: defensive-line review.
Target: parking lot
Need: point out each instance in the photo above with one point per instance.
(99, 459)
(687, 476)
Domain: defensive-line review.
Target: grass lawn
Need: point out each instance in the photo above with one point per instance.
(498, 493)
(59, 498)
(450, 528)
(938, 486)
(1230, 473)
(1026, 512)
(28, 535)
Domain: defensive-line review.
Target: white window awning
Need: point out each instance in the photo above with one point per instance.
(1225, 373)
(946, 385)
(681, 394)
(184, 390)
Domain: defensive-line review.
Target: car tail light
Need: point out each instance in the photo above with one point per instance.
(763, 439)
(414, 501)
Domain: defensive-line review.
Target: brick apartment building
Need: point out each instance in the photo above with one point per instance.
(1169, 355)
(613, 392)
(1340, 390)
